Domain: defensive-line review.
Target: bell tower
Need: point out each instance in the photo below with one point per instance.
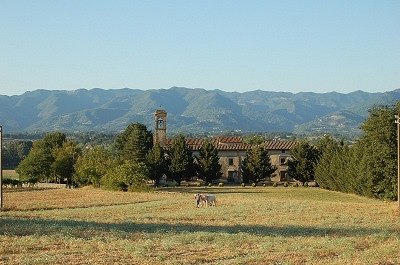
(160, 129)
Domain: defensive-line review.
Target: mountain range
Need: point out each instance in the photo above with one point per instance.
(190, 110)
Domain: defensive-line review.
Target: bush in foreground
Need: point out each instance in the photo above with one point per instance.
(128, 176)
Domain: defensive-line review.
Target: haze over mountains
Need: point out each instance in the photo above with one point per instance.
(190, 110)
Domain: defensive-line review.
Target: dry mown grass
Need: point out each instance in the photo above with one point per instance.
(249, 226)
(42, 198)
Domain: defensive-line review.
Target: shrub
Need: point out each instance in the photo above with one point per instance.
(122, 186)
(221, 184)
(286, 184)
(18, 183)
(243, 185)
(275, 184)
(264, 185)
(127, 176)
(110, 182)
(6, 181)
(172, 183)
(140, 187)
(198, 184)
(210, 184)
(305, 184)
(254, 184)
(12, 182)
(295, 184)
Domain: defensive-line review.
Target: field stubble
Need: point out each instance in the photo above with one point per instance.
(248, 226)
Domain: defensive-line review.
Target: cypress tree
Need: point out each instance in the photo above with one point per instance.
(257, 165)
(369, 167)
(157, 163)
(302, 166)
(330, 170)
(181, 165)
(379, 143)
(208, 161)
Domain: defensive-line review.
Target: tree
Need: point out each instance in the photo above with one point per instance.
(257, 165)
(359, 173)
(37, 165)
(92, 166)
(156, 163)
(64, 160)
(302, 166)
(127, 176)
(208, 162)
(181, 165)
(331, 171)
(54, 140)
(379, 143)
(369, 167)
(134, 143)
(45, 160)
(14, 152)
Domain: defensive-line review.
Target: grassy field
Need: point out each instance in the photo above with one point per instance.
(262, 225)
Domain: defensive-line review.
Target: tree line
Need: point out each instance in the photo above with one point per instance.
(14, 152)
(130, 161)
(367, 167)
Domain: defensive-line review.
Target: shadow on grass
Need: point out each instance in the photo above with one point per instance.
(83, 229)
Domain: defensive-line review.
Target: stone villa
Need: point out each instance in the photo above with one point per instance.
(231, 151)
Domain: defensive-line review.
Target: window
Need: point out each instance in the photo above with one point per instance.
(283, 151)
(283, 160)
(230, 161)
(160, 123)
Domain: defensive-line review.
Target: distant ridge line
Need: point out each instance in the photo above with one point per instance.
(191, 110)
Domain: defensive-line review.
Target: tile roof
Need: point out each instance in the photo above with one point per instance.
(279, 145)
(229, 139)
(235, 143)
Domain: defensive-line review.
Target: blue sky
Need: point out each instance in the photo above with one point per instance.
(292, 46)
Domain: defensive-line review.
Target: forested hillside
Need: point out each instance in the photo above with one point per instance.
(190, 110)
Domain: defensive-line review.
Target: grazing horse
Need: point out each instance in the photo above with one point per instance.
(207, 199)
(211, 200)
(200, 199)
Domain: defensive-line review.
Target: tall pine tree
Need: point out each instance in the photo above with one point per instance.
(134, 143)
(208, 162)
(379, 144)
(157, 164)
(331, 170)
(181, 165)
(257, 165)
(302, 166)
(369, 167)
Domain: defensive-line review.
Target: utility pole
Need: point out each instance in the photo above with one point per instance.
(1, 167)
(398, 159)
